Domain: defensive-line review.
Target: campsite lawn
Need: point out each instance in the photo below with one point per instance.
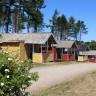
(56, 63)
(81, 86)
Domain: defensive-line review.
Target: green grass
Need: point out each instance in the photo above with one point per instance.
(56, 63)
(39, 65)
(81, 86)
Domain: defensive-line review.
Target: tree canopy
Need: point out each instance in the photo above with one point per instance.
(15, 14)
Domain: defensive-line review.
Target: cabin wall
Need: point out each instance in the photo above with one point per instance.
(17, 48)
(65, 57)
(50, 51)
(91, 60)
(37, 57)
(55, 54)
(72, 57)
(42, 57)
(11, 47)
(47, 57)
(82, 58)
(24, 51)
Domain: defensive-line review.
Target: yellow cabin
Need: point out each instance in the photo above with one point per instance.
(82, 58)
(29, 45)
(83, 53)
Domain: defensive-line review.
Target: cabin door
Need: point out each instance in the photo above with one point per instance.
(59, 53)
(76, 55)
(31, 52)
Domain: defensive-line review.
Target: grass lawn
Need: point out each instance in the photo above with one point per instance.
(81, 86)
(56, 63)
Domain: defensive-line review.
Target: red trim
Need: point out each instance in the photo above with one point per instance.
(91, 60)
(65, 57)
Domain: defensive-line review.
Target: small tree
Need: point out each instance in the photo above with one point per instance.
(14, 76)
(92, 45)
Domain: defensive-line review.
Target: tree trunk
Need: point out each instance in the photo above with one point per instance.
(7, 28)
(28, 26)
(21, 30)
(2, 27)
(35, 28)
(18, 18)
(28, 29)
(57, 35)
(76, 36)
(80, 36)
(60, 35)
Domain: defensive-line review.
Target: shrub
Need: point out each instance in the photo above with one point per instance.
(14, 76)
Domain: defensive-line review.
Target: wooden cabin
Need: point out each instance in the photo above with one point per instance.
(89, 56)
(64, 50)
(83, 56)
(92, 56)
(29, 45)
(83, 52)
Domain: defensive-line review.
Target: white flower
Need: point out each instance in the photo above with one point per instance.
(29, 76)
(2, 64)
(21, 89)
(2, 84)
(5, 51)
(26, 68)
(18, 68)
(22, 61)
(19, 64)
(8, 76)
(6, 70)
(9, 58)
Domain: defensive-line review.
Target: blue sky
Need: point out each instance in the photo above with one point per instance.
(84, 10)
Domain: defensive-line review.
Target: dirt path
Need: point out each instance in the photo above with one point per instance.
(52, 75)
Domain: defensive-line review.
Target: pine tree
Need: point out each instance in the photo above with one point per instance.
(54, 23)
(16, 13)
(62, 24)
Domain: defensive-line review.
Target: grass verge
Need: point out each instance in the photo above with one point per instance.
(56, 63)
(81, 86)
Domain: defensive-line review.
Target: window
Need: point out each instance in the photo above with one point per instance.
(89, 57)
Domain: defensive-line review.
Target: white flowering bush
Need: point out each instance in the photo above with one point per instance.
(14, 76)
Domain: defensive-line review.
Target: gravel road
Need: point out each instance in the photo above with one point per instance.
(52, 75)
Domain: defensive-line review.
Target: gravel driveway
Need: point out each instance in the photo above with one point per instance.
(52, 75)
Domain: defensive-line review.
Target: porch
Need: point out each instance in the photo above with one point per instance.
(65, 54)
(39, 53)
